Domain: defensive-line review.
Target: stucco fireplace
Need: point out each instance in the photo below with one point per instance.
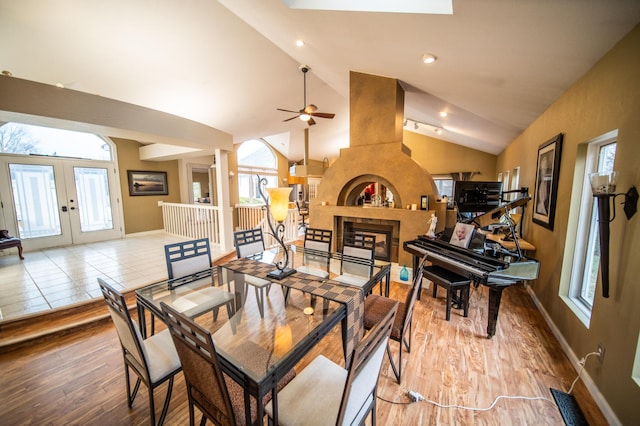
(376, 154)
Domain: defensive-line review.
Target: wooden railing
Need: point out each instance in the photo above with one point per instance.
(254, 216)
(192, 221)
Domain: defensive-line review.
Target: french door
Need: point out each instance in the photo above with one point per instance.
(51, 202)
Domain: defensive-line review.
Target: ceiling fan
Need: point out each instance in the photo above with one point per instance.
(309, 111)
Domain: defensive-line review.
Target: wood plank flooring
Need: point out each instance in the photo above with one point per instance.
(78, 377)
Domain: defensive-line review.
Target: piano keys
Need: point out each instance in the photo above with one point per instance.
(495, 272)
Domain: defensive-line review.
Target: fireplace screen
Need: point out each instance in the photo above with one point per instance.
(382, 233)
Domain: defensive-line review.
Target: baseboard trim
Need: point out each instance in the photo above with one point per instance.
(599, 399)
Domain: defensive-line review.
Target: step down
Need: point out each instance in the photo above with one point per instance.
(569, 409)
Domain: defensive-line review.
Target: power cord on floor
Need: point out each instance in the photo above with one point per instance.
(582, 362)
(417, 397)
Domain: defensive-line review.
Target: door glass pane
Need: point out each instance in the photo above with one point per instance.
(35, 199)
(94, 204)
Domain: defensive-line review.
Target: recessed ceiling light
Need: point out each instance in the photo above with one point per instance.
(299, 43)
(428, 58)
(443, 113)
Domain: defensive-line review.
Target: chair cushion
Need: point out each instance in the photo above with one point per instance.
(198, 302)
(190, 265)
(306, 269)
(351, 279)
(251, 248)
(255, 281)
(376, 307)
(161, 356)
(313, 397)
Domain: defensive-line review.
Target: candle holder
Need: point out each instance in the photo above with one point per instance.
(277, 206)
(603, 187)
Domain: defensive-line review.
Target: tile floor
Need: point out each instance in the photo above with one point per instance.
(62, 276)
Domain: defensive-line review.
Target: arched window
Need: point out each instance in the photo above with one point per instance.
(27, 139)
(255, 158)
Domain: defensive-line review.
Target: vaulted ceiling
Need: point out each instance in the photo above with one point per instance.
(229, 64)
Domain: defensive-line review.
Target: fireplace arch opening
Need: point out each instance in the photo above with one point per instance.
(353, 189)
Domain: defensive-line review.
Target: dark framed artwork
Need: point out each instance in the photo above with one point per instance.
(147, 183)
(547, 173)
(424, 202)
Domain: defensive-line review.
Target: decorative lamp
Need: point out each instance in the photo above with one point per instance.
(603, 187)
(277, 207)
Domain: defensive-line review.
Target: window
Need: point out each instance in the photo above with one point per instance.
(255, 158)
(600, 156)
(197, 191)
(26, 139)
(444, 185)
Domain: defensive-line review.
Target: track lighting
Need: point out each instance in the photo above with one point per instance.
(417, 124)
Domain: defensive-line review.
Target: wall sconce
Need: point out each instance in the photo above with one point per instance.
(277, 207)
(603, 187)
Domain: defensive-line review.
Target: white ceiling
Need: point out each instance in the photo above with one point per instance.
(230, 63)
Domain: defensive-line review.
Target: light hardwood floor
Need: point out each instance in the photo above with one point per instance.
(77, 377)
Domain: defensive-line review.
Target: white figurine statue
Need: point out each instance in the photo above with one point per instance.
(432, 226)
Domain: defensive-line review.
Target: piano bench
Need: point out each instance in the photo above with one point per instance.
(453, 283)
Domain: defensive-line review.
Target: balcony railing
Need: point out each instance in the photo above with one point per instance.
(192, 221)
(203, 221)
(254, 216)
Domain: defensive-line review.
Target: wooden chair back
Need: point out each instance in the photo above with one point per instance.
(206, 386)
(362, 379)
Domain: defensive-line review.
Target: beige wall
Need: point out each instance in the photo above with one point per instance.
(441, 158)
(605, 99)
(141, 213)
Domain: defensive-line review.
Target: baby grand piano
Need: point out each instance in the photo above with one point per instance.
(492, 265)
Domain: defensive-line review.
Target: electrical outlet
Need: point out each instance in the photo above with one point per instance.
(601, 353)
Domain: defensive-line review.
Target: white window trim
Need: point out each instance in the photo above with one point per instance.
(575, 239)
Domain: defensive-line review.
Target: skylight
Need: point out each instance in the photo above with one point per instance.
(442, 7)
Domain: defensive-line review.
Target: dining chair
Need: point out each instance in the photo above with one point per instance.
(317, 247)
(189, 257)
(375, 307)
(153, 360)
(219, 398)
(324, 393)
(248, 243)
(303, 211)
(356, 264)
(316, 256)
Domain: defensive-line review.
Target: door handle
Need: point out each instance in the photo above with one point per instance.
(72, 208)
(64, 208)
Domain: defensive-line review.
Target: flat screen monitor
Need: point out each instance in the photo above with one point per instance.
(472, 196)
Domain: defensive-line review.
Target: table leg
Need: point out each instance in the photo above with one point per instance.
(142, 320)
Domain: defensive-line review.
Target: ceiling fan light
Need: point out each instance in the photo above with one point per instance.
(428, 58)
(305, 117)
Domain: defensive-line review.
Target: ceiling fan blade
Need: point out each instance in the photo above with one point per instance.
(289, 119)
(287, 110)
(311, 122)
(322, 114)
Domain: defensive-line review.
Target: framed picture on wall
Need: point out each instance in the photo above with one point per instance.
(147, 183)
(424, 202)
(547, 173)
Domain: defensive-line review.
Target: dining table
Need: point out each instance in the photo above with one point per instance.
(257, 349)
